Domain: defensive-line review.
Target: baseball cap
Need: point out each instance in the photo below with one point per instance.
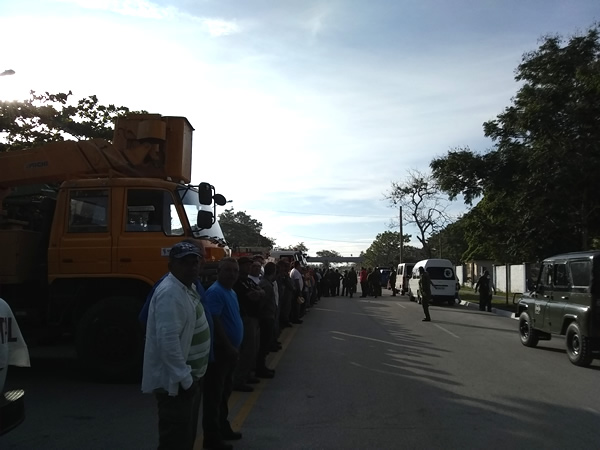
(244, 260)
(182, 249)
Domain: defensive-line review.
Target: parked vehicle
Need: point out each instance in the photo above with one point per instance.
(565, 301)
(385, 277)
(404, 273)
(79, 256)
(441, 272)
(289, 255)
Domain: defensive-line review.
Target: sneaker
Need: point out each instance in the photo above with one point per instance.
(426, 320)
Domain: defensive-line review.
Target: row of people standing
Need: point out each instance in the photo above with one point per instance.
(199, 343)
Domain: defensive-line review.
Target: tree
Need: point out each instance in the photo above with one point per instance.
(327, 253)
(422, 205)
(299, 247)
(384, 251)
(49, 117)
(241, 230)
(539, 181)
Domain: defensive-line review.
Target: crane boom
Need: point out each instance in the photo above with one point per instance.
(145, 145)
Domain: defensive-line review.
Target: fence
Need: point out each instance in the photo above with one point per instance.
(509, 278)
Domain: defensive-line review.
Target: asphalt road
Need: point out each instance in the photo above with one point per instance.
(359, 373)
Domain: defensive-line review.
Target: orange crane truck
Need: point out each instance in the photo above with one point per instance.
(79, 257)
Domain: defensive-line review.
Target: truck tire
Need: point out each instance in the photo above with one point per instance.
(528, 335)
(578, 346)
(110, 340)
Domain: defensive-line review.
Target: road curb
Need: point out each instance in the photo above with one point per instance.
(499, 312)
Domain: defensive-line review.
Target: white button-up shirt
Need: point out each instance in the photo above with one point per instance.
(169, 332)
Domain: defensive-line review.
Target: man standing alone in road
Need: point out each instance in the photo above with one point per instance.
(177, 349)
(485, 287)
(425, 284)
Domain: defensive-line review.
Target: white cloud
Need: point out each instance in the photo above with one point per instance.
(219, 27)
(132, 8)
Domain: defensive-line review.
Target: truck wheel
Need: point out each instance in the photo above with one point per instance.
(451, 301)
(578, 346)
(110, 340)
(529, 337)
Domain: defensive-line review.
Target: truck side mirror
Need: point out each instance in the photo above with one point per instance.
(220, 200)
(204, 219)
(205, 193)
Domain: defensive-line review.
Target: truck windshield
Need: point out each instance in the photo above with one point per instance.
(191, 206)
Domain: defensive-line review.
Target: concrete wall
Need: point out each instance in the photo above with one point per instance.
(512, 277)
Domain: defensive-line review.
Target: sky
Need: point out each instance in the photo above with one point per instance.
(304, 111)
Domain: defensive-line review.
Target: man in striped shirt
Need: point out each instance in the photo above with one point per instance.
(177, 349)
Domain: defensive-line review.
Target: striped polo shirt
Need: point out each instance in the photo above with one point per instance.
(200, 347)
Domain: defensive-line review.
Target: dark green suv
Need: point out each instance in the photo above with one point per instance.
(565, 301)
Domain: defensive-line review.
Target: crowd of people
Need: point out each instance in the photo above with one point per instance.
(201, 345)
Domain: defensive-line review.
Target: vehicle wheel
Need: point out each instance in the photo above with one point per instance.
(110, 340)
(402, 291)
(451, 301)
(529, 337)
(578, 346)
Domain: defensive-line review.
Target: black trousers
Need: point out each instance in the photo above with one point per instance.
(218, 385)
(178, 418)
(266, 341)
(425, 304)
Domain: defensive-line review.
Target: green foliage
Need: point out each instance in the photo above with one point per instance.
(50, 117)
(385, 250)
(451, 242)
(327, 253)
(241, 230)
(299, 247)
(539, 182)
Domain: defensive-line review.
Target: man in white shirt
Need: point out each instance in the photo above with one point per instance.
(177, 349)
(298, 282)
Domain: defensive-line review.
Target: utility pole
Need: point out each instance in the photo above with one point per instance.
(401, 237)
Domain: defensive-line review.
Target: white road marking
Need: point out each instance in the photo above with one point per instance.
(449, 332)
(400, 305)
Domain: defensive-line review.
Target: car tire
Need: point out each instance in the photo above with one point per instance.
(528, 335)
(578, 346)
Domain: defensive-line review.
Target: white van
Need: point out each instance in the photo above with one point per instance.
(403, 274)
(441, 272)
